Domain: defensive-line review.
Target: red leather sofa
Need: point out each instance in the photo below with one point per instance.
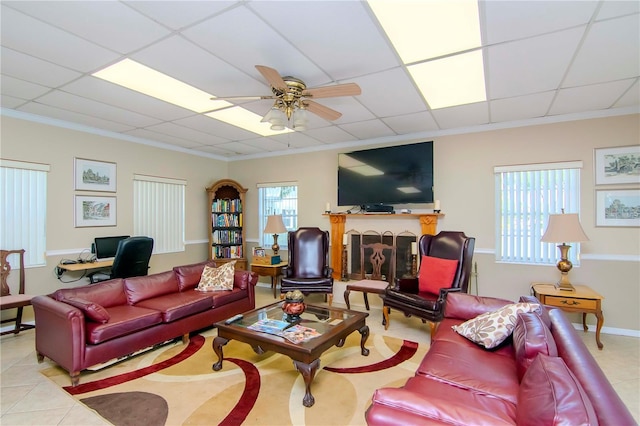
(542, 375)
(89, 325)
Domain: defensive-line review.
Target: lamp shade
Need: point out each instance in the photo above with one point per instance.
(564, 228)
(275, 225)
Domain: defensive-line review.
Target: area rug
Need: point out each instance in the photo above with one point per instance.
(175, 384)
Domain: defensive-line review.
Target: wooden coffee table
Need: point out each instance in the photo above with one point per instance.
(333, 324)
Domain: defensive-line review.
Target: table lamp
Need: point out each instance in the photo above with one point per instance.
(275, 226)
(560, 229)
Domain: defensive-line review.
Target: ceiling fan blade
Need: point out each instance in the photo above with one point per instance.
(321, 110)
(272, 76)
(348, 89)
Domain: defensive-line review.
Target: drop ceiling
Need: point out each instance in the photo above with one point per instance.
(544, 61)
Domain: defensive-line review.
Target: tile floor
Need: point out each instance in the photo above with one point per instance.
(28, 398)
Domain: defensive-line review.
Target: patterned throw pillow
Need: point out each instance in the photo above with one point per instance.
(215, 279)
(493, 328)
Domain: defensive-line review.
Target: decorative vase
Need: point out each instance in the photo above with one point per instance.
(293, 305)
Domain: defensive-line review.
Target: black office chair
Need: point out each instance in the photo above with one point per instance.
(132, 260)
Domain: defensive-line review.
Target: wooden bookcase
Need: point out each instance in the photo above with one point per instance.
(226, 223)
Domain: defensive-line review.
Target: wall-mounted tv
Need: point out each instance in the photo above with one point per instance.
(401, 174)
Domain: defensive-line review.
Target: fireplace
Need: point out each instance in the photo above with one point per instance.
(359, 269)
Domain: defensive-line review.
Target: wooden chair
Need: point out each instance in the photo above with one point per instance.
(374, 284)
(13, 301)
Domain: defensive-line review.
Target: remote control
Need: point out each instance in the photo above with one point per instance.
(233, 319)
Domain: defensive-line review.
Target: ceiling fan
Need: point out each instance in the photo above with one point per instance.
(293, 98)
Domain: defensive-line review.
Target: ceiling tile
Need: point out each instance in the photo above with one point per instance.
(52, 44)
(330, 134)
(368, 129)
(25, 67)
(587, 98)
(212, 126)
(521, 107)
(615, 8)
(10, 102)
(462, 116)
(376, 88)
(514, 20)
(411, 123)
(186, 133)
(631, 96)
(532, 65)
(267, 144)
(609, 52)
(15, 87)
(153, 136)
(109, 24)
(79, 120)
(81, 105)
(240, 148)
(340, 36)
(179, 14)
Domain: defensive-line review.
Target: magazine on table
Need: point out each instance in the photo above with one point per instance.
(299, 334)
(271, 326)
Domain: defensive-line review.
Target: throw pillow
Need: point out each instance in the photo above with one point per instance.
(436, 273)
(530, 338)
(91, 310)
(215, 279)
(493, 328)
(550, 394)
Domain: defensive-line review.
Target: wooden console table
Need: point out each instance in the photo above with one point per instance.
(428, 225)
(583, 299)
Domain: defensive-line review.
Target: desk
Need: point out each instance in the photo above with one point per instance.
(273, 271)
(583, 300)
(74, 267)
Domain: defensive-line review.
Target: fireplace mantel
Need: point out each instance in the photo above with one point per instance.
(428, 225)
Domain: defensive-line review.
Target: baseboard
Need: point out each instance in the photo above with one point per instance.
(609, 330)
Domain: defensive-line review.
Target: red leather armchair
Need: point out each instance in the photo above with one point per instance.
(308, 269)
(404, 294)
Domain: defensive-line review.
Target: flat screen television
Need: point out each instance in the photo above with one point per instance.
(401, 174)
(106, 247)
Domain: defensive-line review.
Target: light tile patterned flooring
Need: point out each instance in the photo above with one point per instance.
(28, 398)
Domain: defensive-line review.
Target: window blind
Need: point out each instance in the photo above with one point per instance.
(23, 209)
(525, 197)
(159, 211)
(277, 198)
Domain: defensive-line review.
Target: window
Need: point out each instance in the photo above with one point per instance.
(23, 209)
(158, 211)
(525, 196)
(277, 198)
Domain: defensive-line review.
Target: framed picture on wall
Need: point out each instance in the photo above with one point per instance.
(618, 207)
(95, 211)
(92, 175)
(617, 165)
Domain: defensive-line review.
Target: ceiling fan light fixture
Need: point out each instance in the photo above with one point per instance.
(300, 119)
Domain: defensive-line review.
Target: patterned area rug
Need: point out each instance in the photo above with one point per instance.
(175, 384)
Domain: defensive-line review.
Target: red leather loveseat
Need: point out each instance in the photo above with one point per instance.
(85, 326)
(542, 375)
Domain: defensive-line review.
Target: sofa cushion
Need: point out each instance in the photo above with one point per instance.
(221, 298)
(436, 273)
(530, 338)
(445, 332)
(91, 310)
(471, 367)
(544, 312)
(106, 293)
(125, 319)
(189, 275)
(466, 306)
(178, 305)
(551, 394)
(438, 403)
(493, 328)
(138, 289)
(216, 279)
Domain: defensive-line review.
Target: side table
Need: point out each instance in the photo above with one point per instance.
(273, 271)
(583, 299)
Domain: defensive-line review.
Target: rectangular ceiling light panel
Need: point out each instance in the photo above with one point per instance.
(455, 80)
(422, 30)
